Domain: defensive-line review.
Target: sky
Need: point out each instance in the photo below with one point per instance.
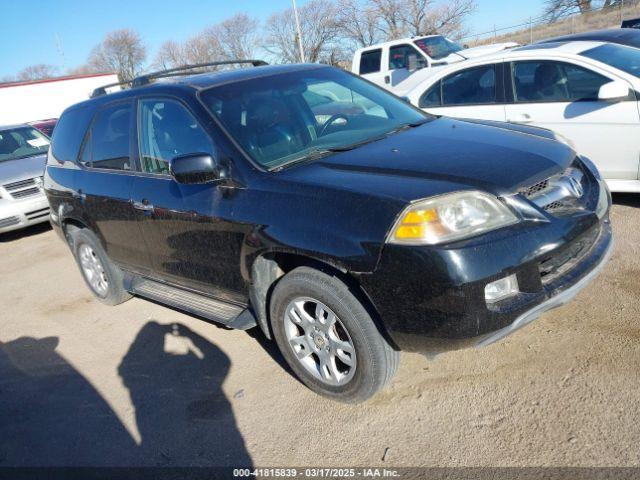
(62, 32)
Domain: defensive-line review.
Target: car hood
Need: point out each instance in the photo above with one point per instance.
(22, 168)
(441, 156)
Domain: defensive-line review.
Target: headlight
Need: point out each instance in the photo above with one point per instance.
(450, 217)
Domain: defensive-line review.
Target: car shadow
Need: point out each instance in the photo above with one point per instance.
(627, 199)
(30, 231)
(51, 415)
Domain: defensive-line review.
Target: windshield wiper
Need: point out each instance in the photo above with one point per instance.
(323, 152)
(27, 156)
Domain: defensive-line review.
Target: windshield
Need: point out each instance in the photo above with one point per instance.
(22, 142)
(437, 47)
(623, 58)
(297, 116)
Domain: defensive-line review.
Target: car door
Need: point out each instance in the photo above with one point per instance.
(188, 229)
(563, 97)
(474, 92)
(104, 181)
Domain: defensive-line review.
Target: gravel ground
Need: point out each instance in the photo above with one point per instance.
(140, 384)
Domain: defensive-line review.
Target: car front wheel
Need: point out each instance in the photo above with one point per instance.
(328, 338)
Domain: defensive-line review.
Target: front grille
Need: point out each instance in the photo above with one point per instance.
(533, 190)
(560, 194)
(560, 263)
(23, 188)
(43, 212)
(9, 221)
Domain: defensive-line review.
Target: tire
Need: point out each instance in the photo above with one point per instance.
(328, 338)
(90, 256)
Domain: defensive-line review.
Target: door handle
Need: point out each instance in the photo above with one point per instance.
(387, 79)
(144, 205)
(520, 118)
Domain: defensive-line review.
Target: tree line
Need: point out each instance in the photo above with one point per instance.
(331, 31)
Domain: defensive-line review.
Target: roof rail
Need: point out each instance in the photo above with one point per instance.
(171, 72)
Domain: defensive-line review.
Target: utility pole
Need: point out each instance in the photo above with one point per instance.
(61, 51)
(295, 13)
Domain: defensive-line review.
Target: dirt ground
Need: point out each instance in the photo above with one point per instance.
(140, 384)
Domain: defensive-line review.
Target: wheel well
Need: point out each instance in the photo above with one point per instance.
(68, 227)
(271, 267)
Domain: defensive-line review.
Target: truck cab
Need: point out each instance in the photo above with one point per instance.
(389, 64)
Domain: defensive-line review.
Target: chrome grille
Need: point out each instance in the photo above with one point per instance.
(561, 193)
(23, 188)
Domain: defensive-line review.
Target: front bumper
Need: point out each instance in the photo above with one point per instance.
(432, 300)
(17, 214)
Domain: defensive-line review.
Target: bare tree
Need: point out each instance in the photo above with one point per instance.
(358, 23)
(237, 36)
(170, 54)
(37, 72)
(392, 17)
(446, 19)
(556, 9)
(319, 31)
(122, 51)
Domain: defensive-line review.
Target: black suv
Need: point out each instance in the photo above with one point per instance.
(342, 221)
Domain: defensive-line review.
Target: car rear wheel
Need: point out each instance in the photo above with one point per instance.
(103, 278)
(328, 337)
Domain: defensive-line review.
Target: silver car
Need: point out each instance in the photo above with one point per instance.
(23, 152)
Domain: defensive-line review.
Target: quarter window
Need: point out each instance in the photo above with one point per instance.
(167, 129)
(474, 86)
(399, 56)
(546, 81)
(107, 144)
(370, 61)
(432, 97)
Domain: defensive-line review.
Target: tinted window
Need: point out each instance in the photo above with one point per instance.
(306, 115)
(437, 47)
(546, 81)
(108, 140)
(470, 87)
(69, 132)
(623, 58)
(432, 97)
(370, 61)
(167, 129)
(399, 56)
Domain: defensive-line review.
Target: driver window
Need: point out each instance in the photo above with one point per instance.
(547, 81)
(167, 129)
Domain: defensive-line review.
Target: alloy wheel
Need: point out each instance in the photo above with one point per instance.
(320, 341)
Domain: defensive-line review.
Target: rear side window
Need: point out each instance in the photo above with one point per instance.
(68, 134)
(475, 86)
(370, 61)
(108, 143)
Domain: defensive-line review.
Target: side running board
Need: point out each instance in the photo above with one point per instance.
(233, 316)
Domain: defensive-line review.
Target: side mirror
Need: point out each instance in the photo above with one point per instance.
(197, 168)
(613, 91)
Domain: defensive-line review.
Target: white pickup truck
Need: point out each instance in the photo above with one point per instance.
(391, 63)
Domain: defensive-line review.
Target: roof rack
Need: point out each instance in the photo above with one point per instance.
(172, 72)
